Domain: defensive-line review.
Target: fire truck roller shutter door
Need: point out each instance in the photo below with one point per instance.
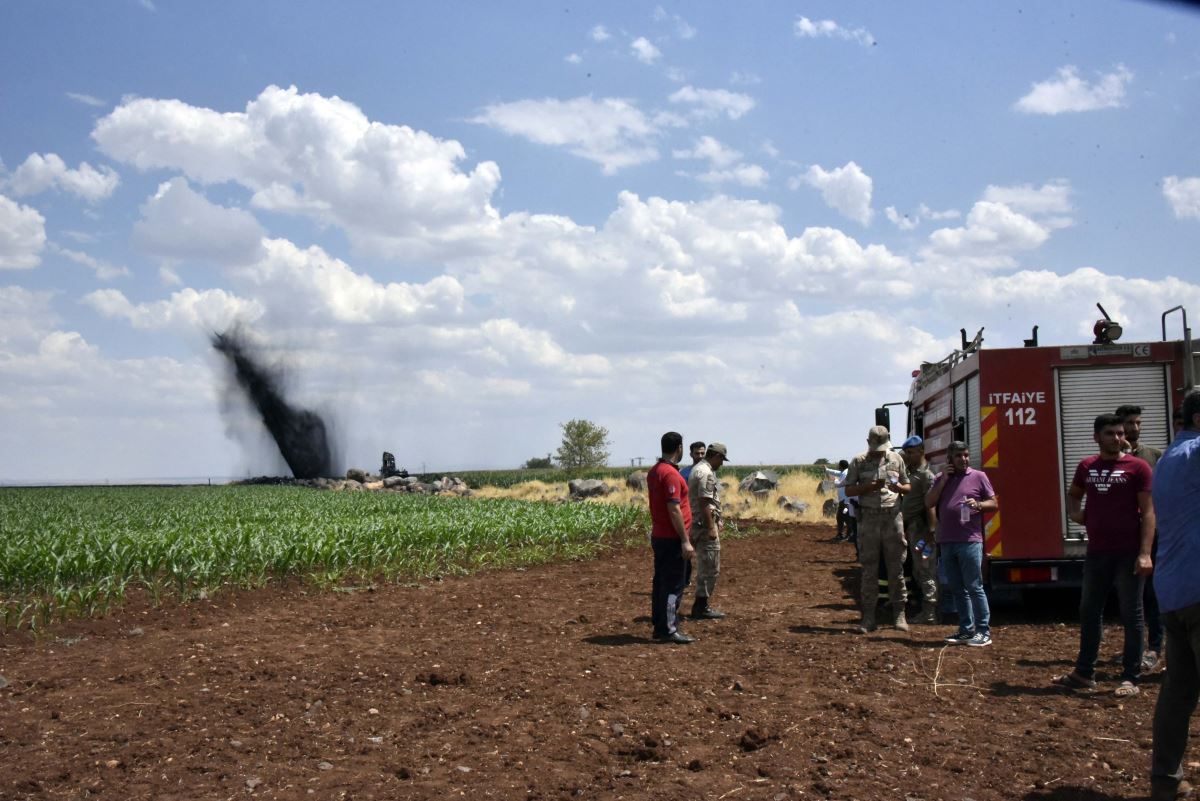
(1085, 392)
(974, 439)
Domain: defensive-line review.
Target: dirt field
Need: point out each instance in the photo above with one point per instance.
(543, 684)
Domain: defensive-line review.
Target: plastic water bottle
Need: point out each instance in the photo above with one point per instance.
(925, 548)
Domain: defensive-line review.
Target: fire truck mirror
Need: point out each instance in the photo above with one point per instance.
(883, 417)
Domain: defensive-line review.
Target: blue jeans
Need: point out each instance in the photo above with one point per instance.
(964, 576)
(1100, 572)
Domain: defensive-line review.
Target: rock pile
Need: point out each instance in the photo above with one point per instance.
(759, 483)
(358, 480)
(789, 504)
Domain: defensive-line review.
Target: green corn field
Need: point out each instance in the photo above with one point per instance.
(77, 551)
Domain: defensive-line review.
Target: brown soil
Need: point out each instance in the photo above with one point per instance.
(543, 684)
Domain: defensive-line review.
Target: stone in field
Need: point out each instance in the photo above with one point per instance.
(636, 480)
(789, 504)
(587, 488)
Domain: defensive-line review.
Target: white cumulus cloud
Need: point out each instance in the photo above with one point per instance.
(188, 309)
(39, 173)
(391, 188)
(1067, 92)
(1184, 196)
(907, 222)
(645, 51)
(179, 223)
(709, 148)
(743, 174)
(805, 28)
(709, 103)
(22, 235)
(847, 189)
(992, 234)
(308, 284)
(1049, 199)
(599, 33)
(612, 132)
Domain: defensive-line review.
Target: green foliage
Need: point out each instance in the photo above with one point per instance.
(584, 445)
(76, 551)
(539, 463)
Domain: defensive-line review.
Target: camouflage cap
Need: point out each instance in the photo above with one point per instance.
(719, 447)
(879, 439)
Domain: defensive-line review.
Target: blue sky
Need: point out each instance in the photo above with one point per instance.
(461, 224)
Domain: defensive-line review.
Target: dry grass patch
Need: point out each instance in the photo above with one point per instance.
(798, 486)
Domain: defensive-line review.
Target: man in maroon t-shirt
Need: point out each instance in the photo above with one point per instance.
(671, 519)
(1119, 519)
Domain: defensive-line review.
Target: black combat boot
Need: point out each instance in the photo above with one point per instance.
(702, 611)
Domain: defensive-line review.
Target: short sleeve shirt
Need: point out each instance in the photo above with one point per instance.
(912, 505)
(1176, 501)
(869, 466)
(1110, 512)
(703, 486)
(665, 486)
(959, 487)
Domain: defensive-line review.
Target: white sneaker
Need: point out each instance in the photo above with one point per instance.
(960, 638)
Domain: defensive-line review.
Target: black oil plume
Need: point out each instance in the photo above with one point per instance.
(299, 433)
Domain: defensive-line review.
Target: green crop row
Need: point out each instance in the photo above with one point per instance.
(76, 551)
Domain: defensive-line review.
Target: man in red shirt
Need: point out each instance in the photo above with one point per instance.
(1119, 518)
(671, 518)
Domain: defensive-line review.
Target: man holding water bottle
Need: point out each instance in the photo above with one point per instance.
(961, 494)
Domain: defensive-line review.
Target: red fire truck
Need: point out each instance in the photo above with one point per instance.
(1026, 414)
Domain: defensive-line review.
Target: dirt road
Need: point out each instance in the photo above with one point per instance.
(543, 684)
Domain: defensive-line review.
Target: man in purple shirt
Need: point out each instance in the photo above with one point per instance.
(961, 495)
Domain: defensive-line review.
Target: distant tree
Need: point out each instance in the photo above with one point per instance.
(584, 444)
(822, 460)
(539, 463)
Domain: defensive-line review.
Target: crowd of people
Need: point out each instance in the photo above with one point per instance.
(1139, 506)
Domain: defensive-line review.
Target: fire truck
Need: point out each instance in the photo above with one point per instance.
(1026, 414)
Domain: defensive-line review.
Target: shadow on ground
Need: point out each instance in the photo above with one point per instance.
(1076, 794)
(611, 640)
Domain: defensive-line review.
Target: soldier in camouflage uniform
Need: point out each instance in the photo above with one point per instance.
(704, 493)
(919, 525)
(877, 478)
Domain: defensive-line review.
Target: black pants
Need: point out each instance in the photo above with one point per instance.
(1101, 571)
(671, 576)
(1154, 626)
(842, 518)
(1176, 701)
